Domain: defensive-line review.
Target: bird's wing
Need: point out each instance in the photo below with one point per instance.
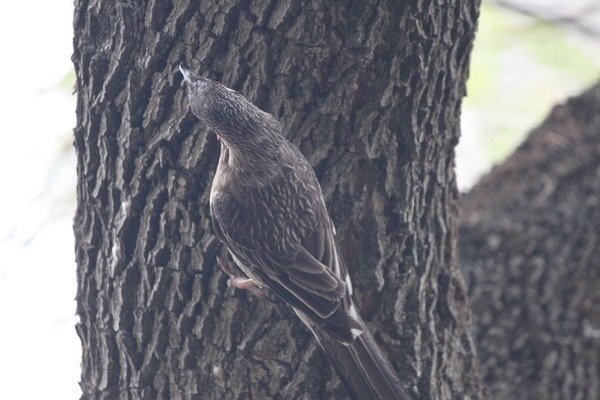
(304, 278)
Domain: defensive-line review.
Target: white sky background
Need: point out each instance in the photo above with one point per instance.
(39, 350)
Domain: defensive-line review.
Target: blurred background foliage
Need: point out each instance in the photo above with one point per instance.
(523, 63)
(528, 56)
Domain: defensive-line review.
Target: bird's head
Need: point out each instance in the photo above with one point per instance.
(226, 111)
(210, 101)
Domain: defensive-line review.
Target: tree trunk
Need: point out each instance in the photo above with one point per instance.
(370, 93)
(529, 245)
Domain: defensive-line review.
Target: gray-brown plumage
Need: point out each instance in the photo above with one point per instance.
(268, 209)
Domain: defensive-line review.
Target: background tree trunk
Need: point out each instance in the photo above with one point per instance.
(530, 244)
(370, 92)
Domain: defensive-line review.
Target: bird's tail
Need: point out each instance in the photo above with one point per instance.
(363, 367)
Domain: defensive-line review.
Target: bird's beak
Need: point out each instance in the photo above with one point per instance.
(187, 74)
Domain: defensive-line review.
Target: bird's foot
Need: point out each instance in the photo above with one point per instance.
(247, 284)
(236, 281)
(240, 283)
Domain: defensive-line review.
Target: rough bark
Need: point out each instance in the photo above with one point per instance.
(371, 93)
(529, 246)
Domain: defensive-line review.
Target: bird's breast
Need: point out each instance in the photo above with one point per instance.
(222, 174)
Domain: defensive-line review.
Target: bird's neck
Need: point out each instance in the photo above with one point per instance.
(253, 162)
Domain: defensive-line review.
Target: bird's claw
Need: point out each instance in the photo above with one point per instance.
(236, 281)
(240, 283)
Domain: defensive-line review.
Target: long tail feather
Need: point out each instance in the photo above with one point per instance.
(363, 367)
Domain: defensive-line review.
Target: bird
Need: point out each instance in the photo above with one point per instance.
(268, 209)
